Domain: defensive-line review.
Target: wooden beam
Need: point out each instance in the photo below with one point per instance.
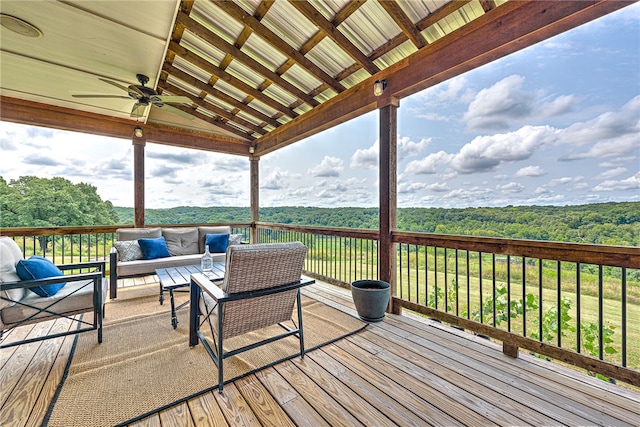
(402, 20)
(213, 109)
(388, 198)
(36, 114)
(190, 80)
(212, 69)
(508, 28)
(217, 41)
(313, 15)
(255, 196)
(272, 38)
(138, 181)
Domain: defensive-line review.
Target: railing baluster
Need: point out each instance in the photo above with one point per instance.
(624, 316)
(540, 297)
(578, 310)
(600, 314)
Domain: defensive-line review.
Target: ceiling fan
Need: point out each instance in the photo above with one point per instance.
(145, 96)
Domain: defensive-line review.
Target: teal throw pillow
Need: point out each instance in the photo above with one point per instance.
(154, 248)
(38, 267)
(217, 242)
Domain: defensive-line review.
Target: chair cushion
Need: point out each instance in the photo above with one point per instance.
(181, 241)
(217, 242)
(154, 248)
(38, 267)
(10, 254)
(128, 250)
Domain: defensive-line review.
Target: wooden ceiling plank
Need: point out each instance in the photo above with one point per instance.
(207, 66)
(270, 37)
(217, 41)
(212, 108)
(402, 20)
(312, 14)
(36, 114)
(190, 80)
(506, 29)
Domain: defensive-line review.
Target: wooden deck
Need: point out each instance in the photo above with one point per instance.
(402, 371)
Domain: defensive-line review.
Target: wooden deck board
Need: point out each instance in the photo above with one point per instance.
(402, 371)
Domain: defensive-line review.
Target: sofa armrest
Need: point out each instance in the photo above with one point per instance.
(52, 280)
(98, 265)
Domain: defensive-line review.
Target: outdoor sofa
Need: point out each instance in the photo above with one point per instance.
(185, 246)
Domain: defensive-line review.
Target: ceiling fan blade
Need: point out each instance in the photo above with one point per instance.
(102, 96)
(172, 99)
(118, 85)
(174, 110)
(138, 110)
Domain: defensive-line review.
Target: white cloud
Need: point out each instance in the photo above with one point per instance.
(277, 180)
(407, 148)
(631, 183)
(430, 164)
(494, 106)
(511, 187)
(558, 106)
(612, 173)
(484, 153)
(366, 158)
(328, 167)
(565, 180)
(530, 171)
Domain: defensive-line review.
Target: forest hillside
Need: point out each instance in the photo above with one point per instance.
(601, 223)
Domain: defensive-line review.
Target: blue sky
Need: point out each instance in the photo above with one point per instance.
(555, 124)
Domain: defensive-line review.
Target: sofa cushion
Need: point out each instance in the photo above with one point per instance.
(181, 241)
(138, 233)
(10, 254)
(128, 250)
(154, 248)
(80, 302)
(203, 231)
(217, 242)
(37, 267)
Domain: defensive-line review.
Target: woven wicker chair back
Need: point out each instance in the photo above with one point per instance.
(255, 267)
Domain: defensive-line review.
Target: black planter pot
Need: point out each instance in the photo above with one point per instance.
(371, 298)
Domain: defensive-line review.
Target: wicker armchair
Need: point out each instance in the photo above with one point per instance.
(261, 286)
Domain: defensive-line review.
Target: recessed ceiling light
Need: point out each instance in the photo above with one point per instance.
(19, 26)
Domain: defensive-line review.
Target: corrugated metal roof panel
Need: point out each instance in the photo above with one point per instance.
(188, 68)
(263, 52)
(289, 24)
(218, 103)
(240, 71)
(301, 78)
(399, 53)
(230, 90)
(202, 48)
(263, 108)
(249, 118)
(208, 14)
(369, 27)
(330, 57)
(326, 95)
(282, 96)
(356, 78)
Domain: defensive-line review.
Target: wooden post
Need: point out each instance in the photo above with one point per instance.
(255, 196)
(388, 194)
(138, 180)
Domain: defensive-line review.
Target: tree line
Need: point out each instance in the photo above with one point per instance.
(30, 201)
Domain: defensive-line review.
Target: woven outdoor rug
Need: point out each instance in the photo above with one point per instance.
(143, 365)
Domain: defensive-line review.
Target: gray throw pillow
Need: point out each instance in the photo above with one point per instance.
(181, 241)
(128, 250)
(235, 239)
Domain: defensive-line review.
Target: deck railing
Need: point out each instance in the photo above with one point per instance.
(572, 302)
(576, 303)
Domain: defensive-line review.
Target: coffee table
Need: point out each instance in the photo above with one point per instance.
(172, 279)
